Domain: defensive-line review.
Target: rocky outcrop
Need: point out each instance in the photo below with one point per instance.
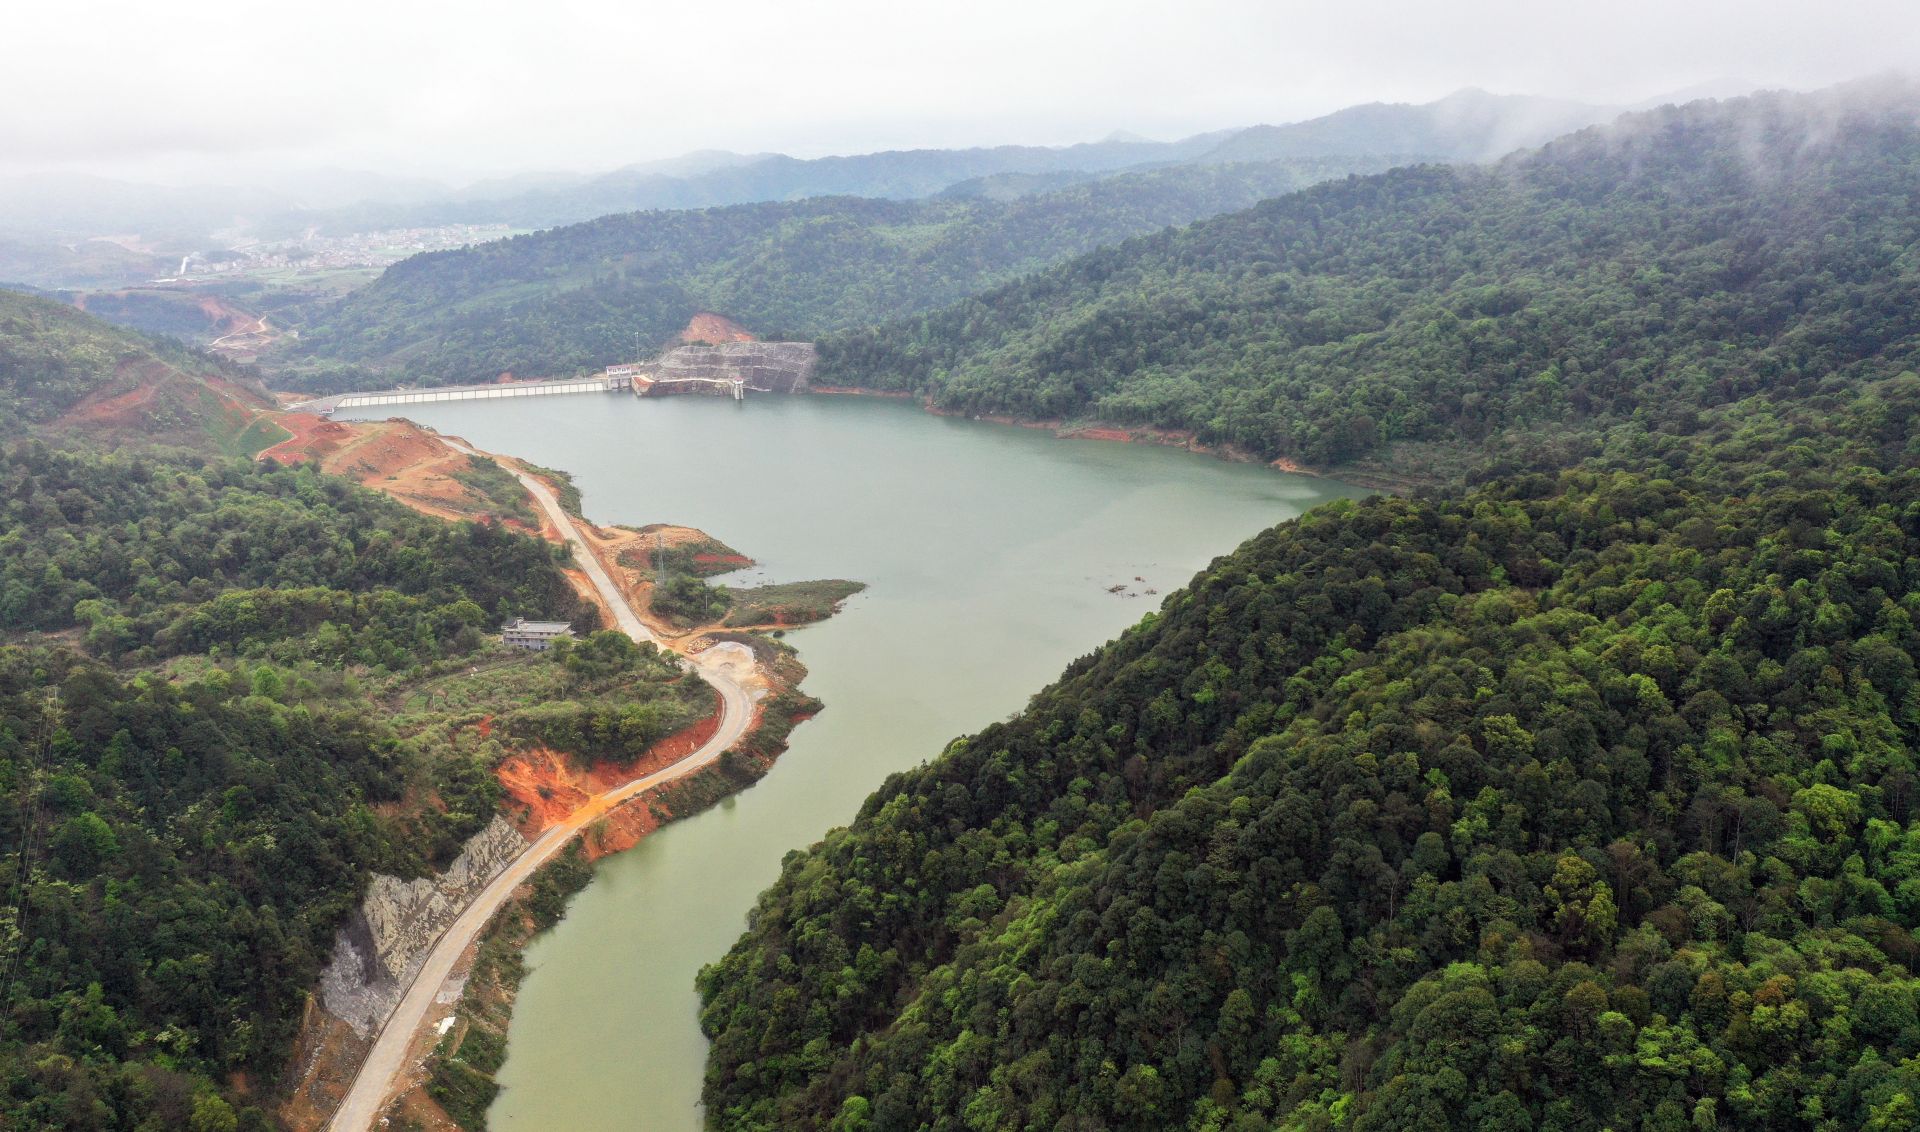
(376, 953)
(763, 367)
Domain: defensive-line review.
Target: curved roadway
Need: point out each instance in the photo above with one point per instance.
(373, 1084)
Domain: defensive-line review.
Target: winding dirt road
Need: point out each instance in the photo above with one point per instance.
(723, 667)
(259, 327)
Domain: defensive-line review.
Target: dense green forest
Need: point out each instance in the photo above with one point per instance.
(1679, 260)
(574, 298)
(1580, 801)
(192, 765)
(1577, 798)
(228, 692)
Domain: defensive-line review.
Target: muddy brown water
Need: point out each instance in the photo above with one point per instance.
(991, 555)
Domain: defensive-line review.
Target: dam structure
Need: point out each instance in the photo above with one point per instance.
(596, 383)
(729, 369)
(732, 369)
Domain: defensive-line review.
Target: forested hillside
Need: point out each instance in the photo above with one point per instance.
(573, 298)
(1576, 799)
(53, 358)
(1678, 260)
(209, 735)
(1576, 802)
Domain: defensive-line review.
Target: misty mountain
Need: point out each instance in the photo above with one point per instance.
(1723, 88)
(70, 206)
(1468, 125)
(713, 179)
(61, 209)
(319, 188)
(82, 264)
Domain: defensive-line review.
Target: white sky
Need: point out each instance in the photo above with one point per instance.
(219, 89)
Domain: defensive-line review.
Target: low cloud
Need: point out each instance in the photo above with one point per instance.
(458, 89)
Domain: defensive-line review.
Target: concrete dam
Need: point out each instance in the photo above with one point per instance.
(731, 369)
(727, 369)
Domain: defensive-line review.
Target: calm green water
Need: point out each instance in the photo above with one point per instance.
(988, 552)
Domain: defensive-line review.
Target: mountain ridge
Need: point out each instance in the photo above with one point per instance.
(1580, 795)
(1319, 326)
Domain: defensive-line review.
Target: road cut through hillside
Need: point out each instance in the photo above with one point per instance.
(722, 666)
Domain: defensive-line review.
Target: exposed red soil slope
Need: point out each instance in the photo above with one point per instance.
(546, 787)
(131, 405)
(715, 328)
(314, 438)
(395, 456)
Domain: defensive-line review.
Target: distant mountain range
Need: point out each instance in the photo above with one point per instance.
(42, 213)
(1470, 125)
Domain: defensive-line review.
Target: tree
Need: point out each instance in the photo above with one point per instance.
(83, 844)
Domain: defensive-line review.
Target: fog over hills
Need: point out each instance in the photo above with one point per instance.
(1470, 125)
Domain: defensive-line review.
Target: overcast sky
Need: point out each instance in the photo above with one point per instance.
(214, 89)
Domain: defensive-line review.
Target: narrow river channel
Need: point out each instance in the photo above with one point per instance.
(989, 552)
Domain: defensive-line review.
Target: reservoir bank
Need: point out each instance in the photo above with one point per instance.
(993, 556)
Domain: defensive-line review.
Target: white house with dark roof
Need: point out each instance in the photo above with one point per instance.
(535, 635)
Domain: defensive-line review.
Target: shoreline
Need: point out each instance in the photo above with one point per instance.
(619, 827)
(489, 988)
(680, 776)
(1183, 439)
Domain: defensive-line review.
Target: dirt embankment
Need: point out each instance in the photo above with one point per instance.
(407, 462)
(325, 1053)
(416, 467)
(413, 465)
(856, 391)
(545, 787)
(714, 328)
(628, 553)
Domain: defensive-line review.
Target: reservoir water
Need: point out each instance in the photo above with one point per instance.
(989, 552)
